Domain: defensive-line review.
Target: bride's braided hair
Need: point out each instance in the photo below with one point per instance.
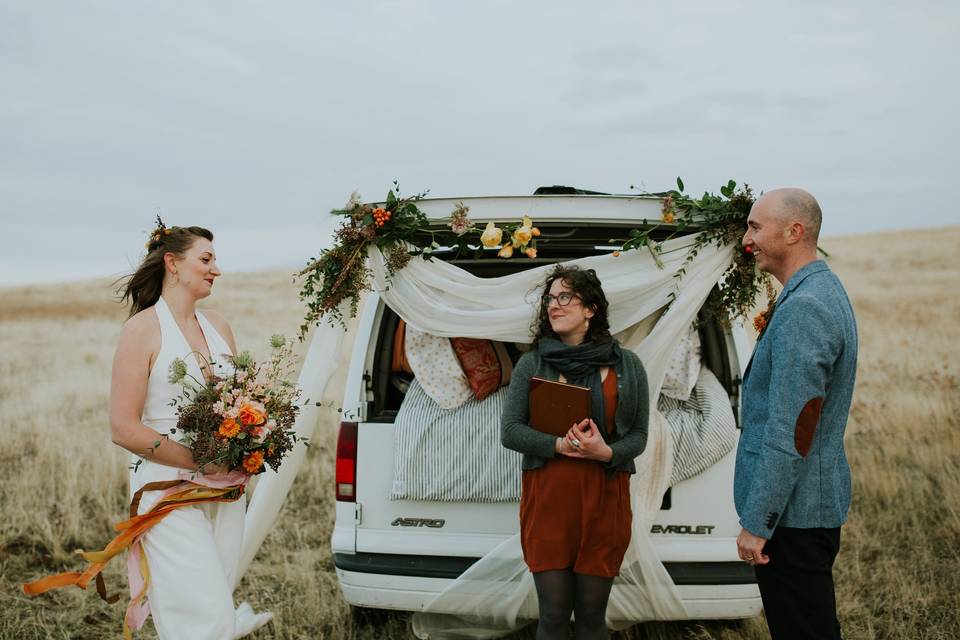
(142, 288)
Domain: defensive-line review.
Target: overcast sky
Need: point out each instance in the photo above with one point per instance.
(256, 118)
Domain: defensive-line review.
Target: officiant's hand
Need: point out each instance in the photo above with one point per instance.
(587, 442)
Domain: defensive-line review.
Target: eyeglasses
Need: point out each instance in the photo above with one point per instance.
(562, 299)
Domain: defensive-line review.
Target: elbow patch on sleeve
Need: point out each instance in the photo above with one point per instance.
(806, 427)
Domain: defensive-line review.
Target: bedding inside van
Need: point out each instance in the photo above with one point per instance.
(455, 454)
(452, 454)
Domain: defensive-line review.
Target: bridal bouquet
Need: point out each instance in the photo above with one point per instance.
(243, 420)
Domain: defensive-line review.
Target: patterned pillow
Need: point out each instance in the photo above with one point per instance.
(684, 367)
(436, 367)
(486, 364)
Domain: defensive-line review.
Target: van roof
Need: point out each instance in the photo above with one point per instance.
(588, 208)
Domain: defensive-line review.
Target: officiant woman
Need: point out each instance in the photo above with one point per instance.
(575, 515)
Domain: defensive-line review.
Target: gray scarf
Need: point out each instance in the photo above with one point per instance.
(580, 364)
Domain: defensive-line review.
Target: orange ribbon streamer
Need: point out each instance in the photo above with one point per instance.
(178, 493)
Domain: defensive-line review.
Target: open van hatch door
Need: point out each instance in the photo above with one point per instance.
(571, 226)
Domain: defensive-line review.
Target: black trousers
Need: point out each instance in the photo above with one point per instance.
(797, 584)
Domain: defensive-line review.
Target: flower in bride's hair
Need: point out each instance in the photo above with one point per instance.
(253, 462)
(243, 360)
(229, 428)
(491, 236)
(178, 371)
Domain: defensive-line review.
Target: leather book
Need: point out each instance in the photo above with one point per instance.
(557, 406)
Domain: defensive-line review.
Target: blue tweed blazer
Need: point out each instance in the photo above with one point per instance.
(791, 466)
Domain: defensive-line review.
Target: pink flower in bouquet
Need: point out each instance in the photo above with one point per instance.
(252, 413)
(259, 434)
(218, 407)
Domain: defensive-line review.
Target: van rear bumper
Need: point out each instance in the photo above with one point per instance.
(710, 590)
(450, 567)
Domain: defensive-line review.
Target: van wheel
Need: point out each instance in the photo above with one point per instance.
(368, 617)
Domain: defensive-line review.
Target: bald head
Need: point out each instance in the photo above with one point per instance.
(791, 205)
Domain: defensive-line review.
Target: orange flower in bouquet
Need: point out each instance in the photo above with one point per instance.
(229, 428)
(253, 462)
(252, 413)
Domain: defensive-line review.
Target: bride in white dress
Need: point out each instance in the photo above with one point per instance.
(193, 552)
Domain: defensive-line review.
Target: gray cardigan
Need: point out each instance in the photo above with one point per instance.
(631, 418)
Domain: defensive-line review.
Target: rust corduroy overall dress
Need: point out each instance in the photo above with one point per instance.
(576, 514)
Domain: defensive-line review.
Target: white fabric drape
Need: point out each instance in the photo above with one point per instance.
(496, 594)
(272, 487)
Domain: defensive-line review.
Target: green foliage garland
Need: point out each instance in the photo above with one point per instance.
(716, 219)
(340, 274)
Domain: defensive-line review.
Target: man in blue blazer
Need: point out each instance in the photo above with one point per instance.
(792, 480)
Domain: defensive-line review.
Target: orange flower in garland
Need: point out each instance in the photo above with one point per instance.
(253, 462)
(229, 428)
(381, 216)
(667, 210)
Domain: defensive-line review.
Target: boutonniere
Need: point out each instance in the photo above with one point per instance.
(762, 319)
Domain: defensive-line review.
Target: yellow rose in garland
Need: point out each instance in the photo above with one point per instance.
(491, 236)
(524, 233)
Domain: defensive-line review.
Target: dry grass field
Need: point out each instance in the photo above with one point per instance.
(63, 484)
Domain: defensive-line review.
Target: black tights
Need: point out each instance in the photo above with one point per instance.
(561, 592)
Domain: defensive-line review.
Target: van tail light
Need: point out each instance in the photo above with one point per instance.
(346, 475)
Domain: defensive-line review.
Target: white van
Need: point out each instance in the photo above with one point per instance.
(398, 554)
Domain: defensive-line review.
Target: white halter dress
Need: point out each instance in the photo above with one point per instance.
(194, 551)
